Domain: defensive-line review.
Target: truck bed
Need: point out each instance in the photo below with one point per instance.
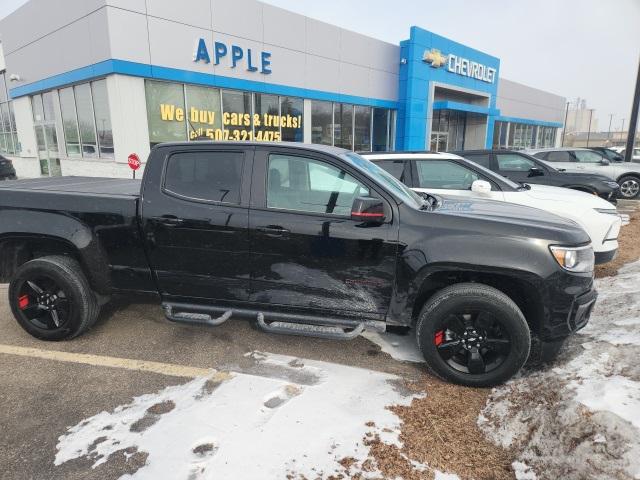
(115, 187)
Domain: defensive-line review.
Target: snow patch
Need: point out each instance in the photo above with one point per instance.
(523, 471)
(197, 432)
(403, 348)
(580, 418)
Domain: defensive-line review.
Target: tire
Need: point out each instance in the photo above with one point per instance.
(52, 283)
(460, 315)
(629, 186)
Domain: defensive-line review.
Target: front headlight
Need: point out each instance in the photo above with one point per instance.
(574, 259)
(612, 184)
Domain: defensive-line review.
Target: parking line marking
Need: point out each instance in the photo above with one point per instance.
(169, 369)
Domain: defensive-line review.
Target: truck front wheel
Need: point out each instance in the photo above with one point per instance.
(51, 299)
(473, 335)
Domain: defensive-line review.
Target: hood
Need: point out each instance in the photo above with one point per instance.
(502, 211)
(546, 193)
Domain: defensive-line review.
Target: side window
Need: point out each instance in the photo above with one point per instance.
(480, 159)
(511, 162)
(560, 156)
(587, 156)
(394, 167)
(210, 176)
(445, 174)
(306, 185)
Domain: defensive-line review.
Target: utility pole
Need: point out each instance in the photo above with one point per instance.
(609, 131)
(589, 130)
(564, 129)
(633, 121)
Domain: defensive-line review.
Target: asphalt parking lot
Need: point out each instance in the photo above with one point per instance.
(47, 387)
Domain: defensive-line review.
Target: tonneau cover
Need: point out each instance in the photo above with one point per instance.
(90, 185)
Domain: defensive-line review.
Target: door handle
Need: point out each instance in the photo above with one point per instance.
(169, 220)
(273, 230)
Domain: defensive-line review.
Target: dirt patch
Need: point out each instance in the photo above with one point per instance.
(440, 431)
(161, 408)
(628, 251)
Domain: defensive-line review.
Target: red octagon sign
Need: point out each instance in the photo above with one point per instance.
(134, 162)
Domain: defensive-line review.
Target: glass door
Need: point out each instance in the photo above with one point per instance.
(439, 142)
(48, 153)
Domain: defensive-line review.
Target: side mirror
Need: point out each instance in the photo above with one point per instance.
(481, 186)
(605, 161)
(368, 210)
(536, 172)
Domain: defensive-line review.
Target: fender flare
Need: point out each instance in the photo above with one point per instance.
(26, 226)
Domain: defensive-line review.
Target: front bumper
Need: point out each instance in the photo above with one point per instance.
(568, 302)
(604, 257)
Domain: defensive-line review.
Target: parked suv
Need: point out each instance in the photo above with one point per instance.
(302, 239)
(450, 174)
(626, 174)
(7, 172)
(520, 167)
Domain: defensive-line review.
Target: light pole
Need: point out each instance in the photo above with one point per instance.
(609, 131)
(633, 121)
(564, 130)
(589, 131)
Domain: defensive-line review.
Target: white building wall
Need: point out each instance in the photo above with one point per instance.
(518, 100)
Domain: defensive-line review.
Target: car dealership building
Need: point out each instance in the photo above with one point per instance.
(86, 83)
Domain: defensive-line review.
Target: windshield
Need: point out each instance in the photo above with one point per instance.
(385, 179)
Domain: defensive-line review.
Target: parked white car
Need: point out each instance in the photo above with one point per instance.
(585, 160)
(448, 174)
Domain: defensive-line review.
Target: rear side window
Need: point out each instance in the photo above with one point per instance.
(479, 158)
(588, 156)
(394, 167)
(308, 185)
(561, 156)
(512, 162)
(209, 176)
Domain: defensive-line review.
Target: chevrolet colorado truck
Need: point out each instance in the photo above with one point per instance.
(302, 239)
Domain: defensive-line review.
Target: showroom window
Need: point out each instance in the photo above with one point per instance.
(84, 121)
(215, 114)
(522, 135)
(354, 127)
(8, 134)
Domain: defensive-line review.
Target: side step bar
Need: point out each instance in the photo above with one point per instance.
(273, 322)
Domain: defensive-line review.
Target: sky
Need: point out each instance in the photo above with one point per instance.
(574, 48)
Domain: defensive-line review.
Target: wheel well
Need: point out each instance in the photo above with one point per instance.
(16, 251)
(521, 292)
(634, 175)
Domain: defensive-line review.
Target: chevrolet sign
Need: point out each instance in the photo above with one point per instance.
(460, 65)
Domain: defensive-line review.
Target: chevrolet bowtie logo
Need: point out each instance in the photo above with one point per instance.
(434, 57)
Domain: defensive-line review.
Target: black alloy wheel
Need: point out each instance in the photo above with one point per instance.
(43, 303)
(473, 334)
(51, 298)
(472, 341)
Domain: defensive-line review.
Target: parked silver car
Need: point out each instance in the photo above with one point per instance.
(588, 161)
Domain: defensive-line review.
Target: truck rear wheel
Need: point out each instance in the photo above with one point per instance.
(51, 299)
(473, 335)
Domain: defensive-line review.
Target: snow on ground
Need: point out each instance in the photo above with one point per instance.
(289, 416)
(403, 348)
(580, 417)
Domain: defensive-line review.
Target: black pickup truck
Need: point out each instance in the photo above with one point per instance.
(302, 239)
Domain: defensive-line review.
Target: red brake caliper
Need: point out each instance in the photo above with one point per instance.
(23, 302)
(439, 338)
